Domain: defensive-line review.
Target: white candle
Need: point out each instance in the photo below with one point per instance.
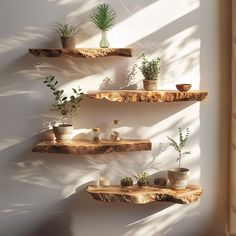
(104, 181)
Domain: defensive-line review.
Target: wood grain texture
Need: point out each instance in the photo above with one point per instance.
(81, 52)
(148, 96)
(145, 195)
(84, 146)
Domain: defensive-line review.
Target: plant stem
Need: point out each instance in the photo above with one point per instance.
(180, 157)
(63, 120)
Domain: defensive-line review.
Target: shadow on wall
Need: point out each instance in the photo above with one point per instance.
(33, 182)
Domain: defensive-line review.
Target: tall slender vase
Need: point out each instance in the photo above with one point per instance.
(104, 41)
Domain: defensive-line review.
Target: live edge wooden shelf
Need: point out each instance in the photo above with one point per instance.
(85, 146)
(145, 195)
(148, 96)
(81, 52)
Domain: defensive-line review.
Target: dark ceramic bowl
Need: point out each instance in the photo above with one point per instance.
(183, 87)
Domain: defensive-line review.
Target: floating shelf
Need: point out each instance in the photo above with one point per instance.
(145, 195)
(81, 52)
(148, 96)
(84, 146)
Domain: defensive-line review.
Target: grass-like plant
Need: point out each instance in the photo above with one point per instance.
(179, 145)
(150, 69)
(103, 17)
(66, 30)
(64, 105)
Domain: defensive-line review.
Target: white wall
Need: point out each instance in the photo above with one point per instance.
(44, 194)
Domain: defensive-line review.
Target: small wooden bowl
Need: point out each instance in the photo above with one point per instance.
(183, 87)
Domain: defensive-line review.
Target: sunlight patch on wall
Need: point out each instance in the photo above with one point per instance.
(182, 67)
(146, 21)
(161, 222)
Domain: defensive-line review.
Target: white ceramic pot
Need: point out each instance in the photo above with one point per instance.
(63, 132)
(150, 84)
(178, 177)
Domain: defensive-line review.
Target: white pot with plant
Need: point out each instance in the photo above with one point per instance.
(150, 71)
(104, 19)
(65, 106)
(68, 34)
(178, 177)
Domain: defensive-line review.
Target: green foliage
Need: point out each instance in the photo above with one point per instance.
(142, 177)
(103, 17)
(178, 146)
(150, 69)
(66, 30)
(64, 105)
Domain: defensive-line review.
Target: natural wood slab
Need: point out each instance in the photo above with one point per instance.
(148, 96)
(84, 146)
(81, 52)
(148, 194)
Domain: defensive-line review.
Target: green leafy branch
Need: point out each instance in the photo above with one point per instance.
(64, 105)
(179, 146)
(103, 17)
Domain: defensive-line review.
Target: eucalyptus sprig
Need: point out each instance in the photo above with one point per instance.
(178, 146)
(150, 69)
(103, 17)
(66, 30)
(64, 105)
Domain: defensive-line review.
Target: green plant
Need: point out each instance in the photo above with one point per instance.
(103, 17)
(126, 181)
(178, 146)
(66, 30)
(142, 177)
(64, 105)
(150, 69)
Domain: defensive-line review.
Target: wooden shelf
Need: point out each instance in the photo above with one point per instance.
(148, 96)
(85, 146)
(81, 52)
(145, 195)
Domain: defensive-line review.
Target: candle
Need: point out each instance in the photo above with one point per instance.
(104, 181)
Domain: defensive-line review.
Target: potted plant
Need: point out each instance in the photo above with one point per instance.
(178, 177)
(68, 33)
(104, 18)
(150, 71)
(142, 178)
(126, 182)
(65, 106)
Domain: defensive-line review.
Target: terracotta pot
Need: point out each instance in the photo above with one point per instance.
(142, 184)
(178, 177)
(63, 132)
(150, 84)
(68, 42)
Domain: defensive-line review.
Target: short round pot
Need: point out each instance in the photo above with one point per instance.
(178, 177)
(150, 84)
(63, 132)
(68, 42)
(142, 184)
(126, 183)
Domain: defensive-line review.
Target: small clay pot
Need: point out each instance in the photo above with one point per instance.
(63, 132)
(160, 182)
(183, 87)
(68, 42)
(178, 177)
(150, 84)
(142, 183)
